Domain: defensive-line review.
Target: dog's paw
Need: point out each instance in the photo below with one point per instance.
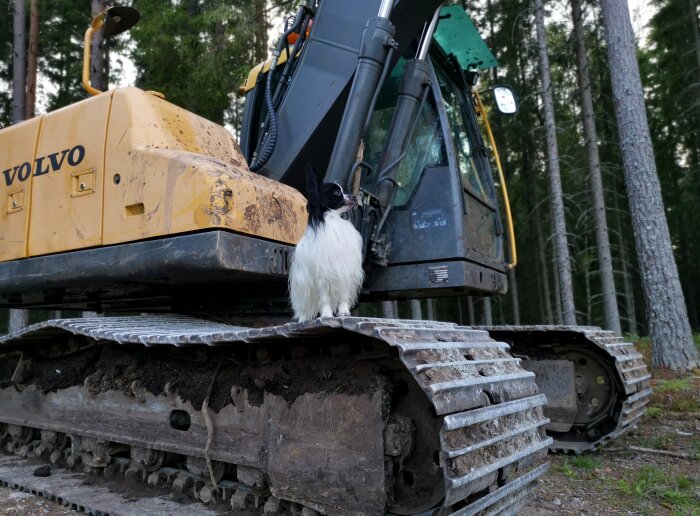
(343, 310)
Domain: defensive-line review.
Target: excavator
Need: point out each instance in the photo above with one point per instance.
(194, 378)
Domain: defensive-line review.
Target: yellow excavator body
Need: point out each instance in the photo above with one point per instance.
(126, 165)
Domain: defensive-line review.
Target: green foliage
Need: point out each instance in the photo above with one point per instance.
(62, 26)
(648, 478)
(585, 462)
(675, 385)
(675, 492)
(196, 52)
(671, 72)
(580, 464)
(660, 442)
(677, 394)
(696, 447)
(653, 412)
(568, 470)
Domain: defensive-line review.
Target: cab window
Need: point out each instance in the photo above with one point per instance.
(466, 138)
(426, 148)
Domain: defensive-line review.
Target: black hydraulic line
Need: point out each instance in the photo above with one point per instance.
(291, 59)
(377, 40)
(412, 93)
(268, 141)
(382, 78)
(413, 90)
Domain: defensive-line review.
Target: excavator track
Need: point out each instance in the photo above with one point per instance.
(612, 382)
(337, 415)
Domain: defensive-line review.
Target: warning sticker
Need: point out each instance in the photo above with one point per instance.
(439, 274)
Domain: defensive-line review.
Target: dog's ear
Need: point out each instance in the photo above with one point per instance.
(312, 183)
(313, 193)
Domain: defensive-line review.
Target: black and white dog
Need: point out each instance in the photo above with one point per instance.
(326, 272)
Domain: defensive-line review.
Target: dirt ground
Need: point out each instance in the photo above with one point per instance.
(15, 503)
(614, 480)
(618, 479)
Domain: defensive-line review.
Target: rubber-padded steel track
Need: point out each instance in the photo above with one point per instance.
(492, 437)
(629, 365)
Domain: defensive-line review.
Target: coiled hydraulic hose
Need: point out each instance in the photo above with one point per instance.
(269, 140)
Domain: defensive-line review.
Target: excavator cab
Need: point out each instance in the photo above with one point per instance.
(443, 233)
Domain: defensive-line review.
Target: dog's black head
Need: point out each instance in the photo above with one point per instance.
(323, 197)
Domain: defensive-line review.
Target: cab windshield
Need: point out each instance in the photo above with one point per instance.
(427, 146)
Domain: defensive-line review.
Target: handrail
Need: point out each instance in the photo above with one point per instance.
(501, 176)
(97, 22)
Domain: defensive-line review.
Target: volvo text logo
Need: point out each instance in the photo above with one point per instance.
(44, 165)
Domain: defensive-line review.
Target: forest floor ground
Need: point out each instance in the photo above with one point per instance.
(613, 480)
(618, 479)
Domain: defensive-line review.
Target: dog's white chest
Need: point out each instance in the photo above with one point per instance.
(326, 273)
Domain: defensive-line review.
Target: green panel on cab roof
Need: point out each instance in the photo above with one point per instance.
(457, 35)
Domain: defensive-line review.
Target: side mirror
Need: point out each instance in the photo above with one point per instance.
(119, 19)
(506, 102)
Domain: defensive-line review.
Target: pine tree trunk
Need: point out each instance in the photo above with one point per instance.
(32, 57)
(470, 310)
(630, 305)
(557, 291)
(589, 299)
(486, 318)
(97, 65)
(514, 296)
(536, 228)
(695, 28)
(260, 30)
(19, 61)
(672, 341)
(430, 309)
(605, 264)
(556, 196)
(416, 312)
(388, 310)
(542, 259)
(18, 319)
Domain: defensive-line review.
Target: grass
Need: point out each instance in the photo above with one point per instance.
(676, 394)
(652, 483)
(585, 462)
(675, 385)
(660, 442)
(695, 443)
(580, 465)
(654, 412)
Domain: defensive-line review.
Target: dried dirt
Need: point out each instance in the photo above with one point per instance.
(15, 503)
(619, 480)
(189, 374)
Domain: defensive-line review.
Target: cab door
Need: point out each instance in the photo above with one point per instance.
(469, 155)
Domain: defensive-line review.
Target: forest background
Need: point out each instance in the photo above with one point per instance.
(188, 47)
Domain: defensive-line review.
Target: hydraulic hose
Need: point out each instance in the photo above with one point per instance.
(269, 140)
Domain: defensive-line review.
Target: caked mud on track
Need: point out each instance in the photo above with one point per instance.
(344, 415)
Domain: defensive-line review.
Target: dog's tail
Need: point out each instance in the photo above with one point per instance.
(313, 195)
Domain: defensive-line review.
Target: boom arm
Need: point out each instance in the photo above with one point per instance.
(309, 116)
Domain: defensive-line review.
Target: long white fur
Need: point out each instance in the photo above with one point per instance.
(326, 272)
